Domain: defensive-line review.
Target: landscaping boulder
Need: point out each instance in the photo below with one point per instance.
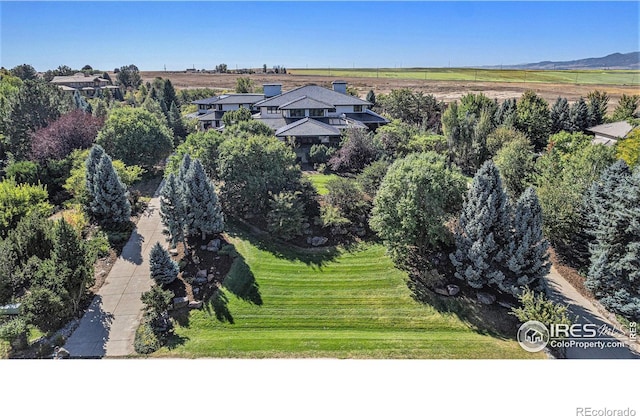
(210, 277)
(486, 298)
(453, 290)
(318, 241)
(180, 302)
(173, 251)
(203, 247)
(201, 273)
(195, 304)
(441, 291)
(214, 245)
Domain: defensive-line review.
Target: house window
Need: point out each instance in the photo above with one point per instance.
(296, 113)
(316, 112)
(219, 107)
(332, 110)
(357, 109)
(273, 110)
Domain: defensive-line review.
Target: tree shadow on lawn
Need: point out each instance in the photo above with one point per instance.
(492, 320)
(241, 282)
(218, 305)
(315, 257)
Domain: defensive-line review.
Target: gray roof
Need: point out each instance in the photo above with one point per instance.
(314, 92)
(231, 99)
(307, 127)
(240, 98)
(211, 115)
(274, 122)
(62, 79)
(367, 117)
(615, 130)
(604, 141)
(303, 103)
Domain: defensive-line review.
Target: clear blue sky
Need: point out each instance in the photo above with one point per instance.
(106, 35)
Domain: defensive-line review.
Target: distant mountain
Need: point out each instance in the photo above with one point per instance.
(629, 60)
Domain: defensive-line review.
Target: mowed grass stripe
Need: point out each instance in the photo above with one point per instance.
(354, 305)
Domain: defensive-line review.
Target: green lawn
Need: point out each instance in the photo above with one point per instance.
(320, 180)
(606, 77)
(283, 303)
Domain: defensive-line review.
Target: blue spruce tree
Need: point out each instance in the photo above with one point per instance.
(109, 203)
(204, 213)
(483, 237)
(163, 269)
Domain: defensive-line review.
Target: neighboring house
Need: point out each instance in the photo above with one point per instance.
(309, 115)
(609, 134)
(211, 110)
(86, 84)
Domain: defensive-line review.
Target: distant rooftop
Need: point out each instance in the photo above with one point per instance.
(616, 130)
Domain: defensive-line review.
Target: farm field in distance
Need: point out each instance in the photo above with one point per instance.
(453, 83)
(325, 303)
(601, 77)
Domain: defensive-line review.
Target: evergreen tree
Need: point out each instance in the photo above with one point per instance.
(483, 236)
(80, 103)
(615, 255)
(371, 97)
(579, 116)
(73, 262)
(109, 203)
(626, 108)
(172, 211)
(204, 213)
(529, 260)
(560, 116)
(95, 155)
(163, 269)
(505, 115)
(598, 101)
(532, 118)
(169, 95)
(176, 123)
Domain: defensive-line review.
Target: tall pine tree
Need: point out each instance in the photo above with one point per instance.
(91, 164)
(483, 237)
(529, 260)
(163, 269)
(204, 213)
(109, 203)
(172, 211)
(614, 273)
(579, 116)
(560, 116)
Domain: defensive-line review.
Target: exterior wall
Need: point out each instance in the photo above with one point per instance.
(271, 90)
(340, 109)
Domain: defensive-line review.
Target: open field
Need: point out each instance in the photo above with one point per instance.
(445, 90)
(283, 303)
(601, 77)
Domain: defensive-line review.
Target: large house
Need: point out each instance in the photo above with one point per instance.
(86, 84)
(211, 110)
(310, 114)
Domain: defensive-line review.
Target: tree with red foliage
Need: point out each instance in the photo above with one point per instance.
(74, 130)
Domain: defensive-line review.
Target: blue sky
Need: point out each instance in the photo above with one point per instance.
(151, 35)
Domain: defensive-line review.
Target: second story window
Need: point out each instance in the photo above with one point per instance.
(357, 109)
(296, 113)
(272, 110)
(316, 112)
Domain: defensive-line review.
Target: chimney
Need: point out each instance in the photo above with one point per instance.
(271, 90)
(340, 86)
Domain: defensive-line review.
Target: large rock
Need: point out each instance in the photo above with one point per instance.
(486, 298)
(173, 251)
(195, 304)
(453, 290)
(441, 291)
(201, 273)
(210, 277)
(180, 302)
(318, 241)
(214, 245)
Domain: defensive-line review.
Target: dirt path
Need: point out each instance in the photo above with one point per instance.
(561, 291)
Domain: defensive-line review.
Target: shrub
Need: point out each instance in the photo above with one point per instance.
(371, 177)
(146, 341)
(15, 332)
(286, 215)
(23, 172)
(536, 307)
(45, 308)
(320, 154)
(17, 200)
